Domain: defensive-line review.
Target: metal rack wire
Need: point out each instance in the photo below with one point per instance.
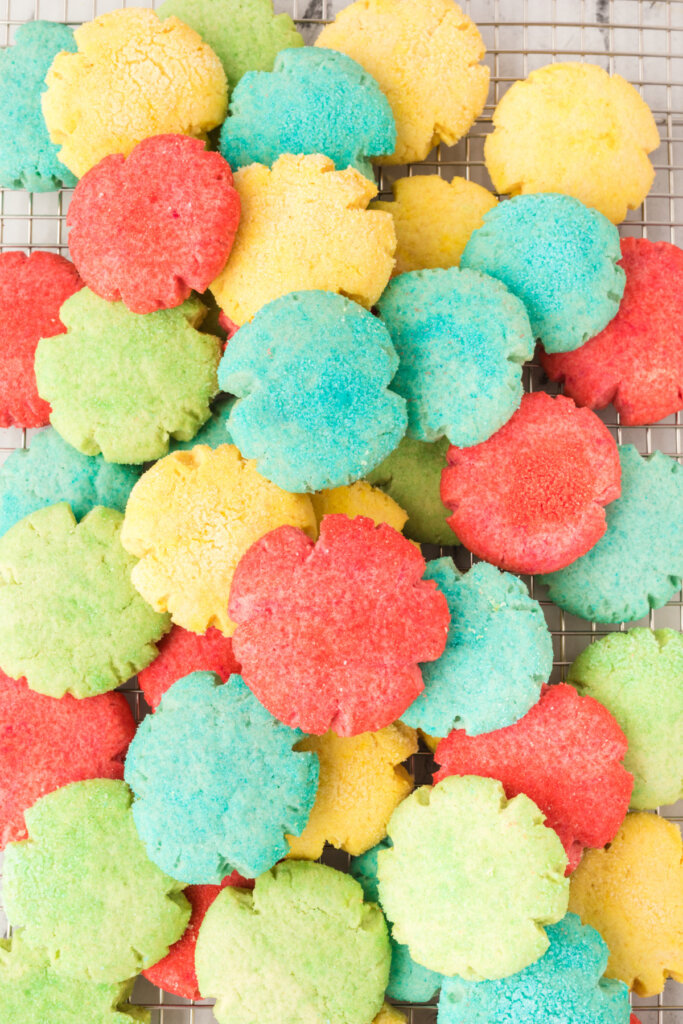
(640, 39)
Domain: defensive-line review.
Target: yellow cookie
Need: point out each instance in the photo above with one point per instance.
(133, 76)
(359, 499)
(390, 1015)
(425, 56)
(572, 128)
(190, 519)
(305, 226)
(632, 893)
(434, 219)
(361, 784)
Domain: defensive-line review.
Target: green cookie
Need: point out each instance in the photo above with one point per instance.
(303, 948)
(638, 676)
(70, 619)
(122, 383)
(83, 890)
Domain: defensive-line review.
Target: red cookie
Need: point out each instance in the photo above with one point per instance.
(176, 973)
(565, 754)
(47, 743)
(330, 635)
(150, 227)
(182, 652)
(32, 290)
(530, 499)
(637, 361)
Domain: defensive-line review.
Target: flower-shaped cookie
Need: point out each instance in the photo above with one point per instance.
(330, 634)
(182, 652)
(359, 499)
(305, 226)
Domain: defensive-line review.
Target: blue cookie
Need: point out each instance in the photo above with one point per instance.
(312, 373)
(566, 986)
(498, 654)
(313, 101)
(215, 430)
(409, 981)
(560, 258)
(638, 562)
(52, 471)
(216, 781)
(461, 338)
(28, 159)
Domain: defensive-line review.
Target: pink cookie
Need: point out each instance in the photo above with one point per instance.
(182, 652)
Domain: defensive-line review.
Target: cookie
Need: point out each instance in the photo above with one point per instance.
(71, 620)
(133, 76)
(434, 219)
(636, 362)
(565, 985)
(472, 878)
(560, 258)
(313, 101)
(411, 475)
(214, 494)
(140, 380)
(149, 228)
(531, 498)
(216, 782)
(303, 947)
(638, 676)
(28, 159)
(390, 1015)
(632, 893)
(572, 128)
(359, 499)
(461, 338)
(215, 430)
(182, 652)
(300, 220)
(54, 742)
(51, 471)
(244, 34)
(312, 375)
(638, 564)
(498, 654)
(566, 755)
(83, 890)
(32, 290)
(330, 635)
(361, 782)
(425, 55)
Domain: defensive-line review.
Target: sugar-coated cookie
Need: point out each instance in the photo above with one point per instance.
(472, 878)
(426, 56)
(215, 430)
(498, 654)
(182, 652)
(359, 499)
(636, 362)
(218, 496)
(82, 888)
(300, 222)
(32, 290)
(312, 375)
(632, 893)
(51, 471)
(565, 754)
(566, 986)
(390, 1015)
(28, 159)
(573, 128)
(303, 947)
(151, 227)
(638, 563)
(330, 635)
(140, 379)
(217, 783)
(361, 782)
(461, 338)
(530, 499)
(560, 258)
(70, 618)
(434, 219)
(313, 101)
(133, 75)
(638, 676)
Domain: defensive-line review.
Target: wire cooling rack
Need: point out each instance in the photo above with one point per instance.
(641, 40)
